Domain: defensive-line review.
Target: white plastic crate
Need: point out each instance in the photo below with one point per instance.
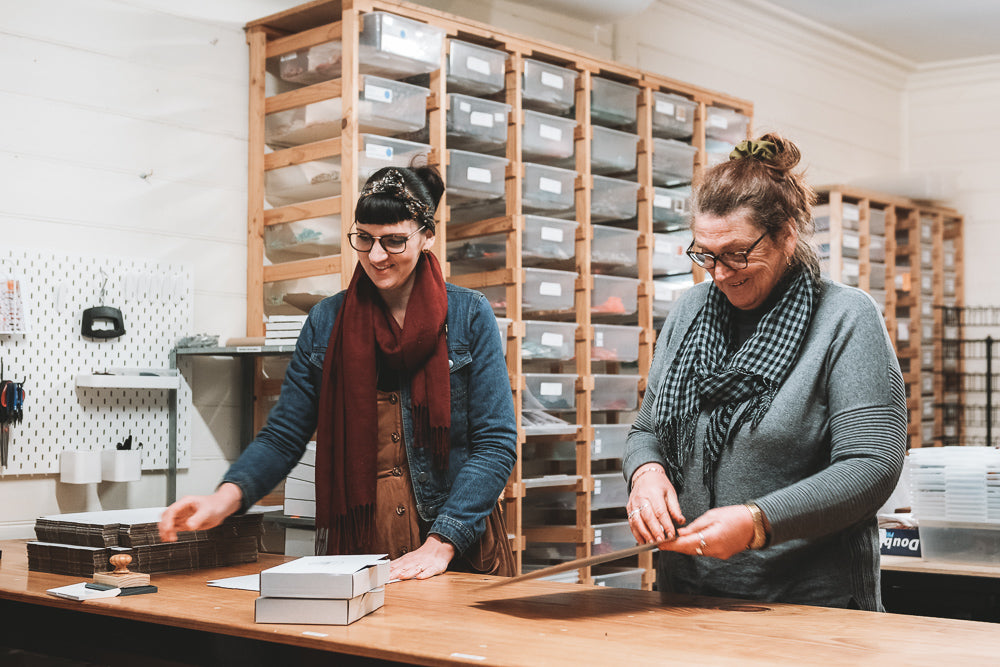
(612, 151)
(474, 69)
(673, 116)
(546, 138)
(475, 124)
(548, 88)
(613, 199)
(612, 103)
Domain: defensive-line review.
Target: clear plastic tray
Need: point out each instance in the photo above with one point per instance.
(724, 127)
(303, 239)
(615, 392)
(545, 241)
(612, 103)
(474, 69)
(475, 124)
(555, 392)
(311, 65)
(548, 189)
(669, 253)
(546, 138)
(613, 249)
(549, 340)
(609, 491)
(613, 199)
(548, 88)
(673, 162)
(473, 177)
(397, 47)
(609, 441)
(296, 297)
(673, 116)
(545, 292)
(612, 151)
(613, 342)
(614, 296)
(671, 208)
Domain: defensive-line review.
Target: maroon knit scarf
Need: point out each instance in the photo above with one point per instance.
(347, 433)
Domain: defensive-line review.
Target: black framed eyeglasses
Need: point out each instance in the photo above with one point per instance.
(733, 260)
(393, 244)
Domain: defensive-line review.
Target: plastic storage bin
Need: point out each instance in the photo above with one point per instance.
(548, 88)
(555, 392)
(612, 103)
(317, 63)
(303, 239)
(612, 151)
(620, 578)
(548, 189)
(475, 124)
(545, 292)
(963, 542)
(614, 296)
(474, 69)
(296, 297)
(673, 162)
(614, 342)
(545, 241)
(609, 441)
(546, 138)
(669, 253)
(397, 47)
(548, 340)
(610, 537)
(666, 292)
(613, 250)
(724, 128)
(609, 491)
(671, 208)
(473, 177)
(613, 199)
(673, 116)
(615, 392)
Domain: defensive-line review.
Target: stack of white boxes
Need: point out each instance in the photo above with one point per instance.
(300, 501)
(283, 329)
(328, 590)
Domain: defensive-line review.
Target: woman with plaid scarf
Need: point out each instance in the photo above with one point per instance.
(775, 412)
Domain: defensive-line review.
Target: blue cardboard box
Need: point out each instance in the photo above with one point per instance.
(899, 541)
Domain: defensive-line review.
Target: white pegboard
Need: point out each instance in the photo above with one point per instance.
(156, 302)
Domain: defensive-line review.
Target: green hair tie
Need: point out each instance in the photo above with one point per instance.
(762, 150)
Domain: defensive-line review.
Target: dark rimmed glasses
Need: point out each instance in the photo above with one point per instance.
(733, 260)
(393, 244)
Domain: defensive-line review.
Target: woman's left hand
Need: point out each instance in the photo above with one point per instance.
(431, 558)
(719, 533)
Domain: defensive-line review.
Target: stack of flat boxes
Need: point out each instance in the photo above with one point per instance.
(300, 501)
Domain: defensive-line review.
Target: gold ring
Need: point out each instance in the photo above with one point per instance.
(698, 550)
(702, 546)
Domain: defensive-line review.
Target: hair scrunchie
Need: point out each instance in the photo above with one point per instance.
(761, 150)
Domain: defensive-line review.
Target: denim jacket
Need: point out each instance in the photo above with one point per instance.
(483, 427)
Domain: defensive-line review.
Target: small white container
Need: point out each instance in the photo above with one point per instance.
(612, 151)
(614, 296)
(673, 116)
(548, 88)
(121, 465)
(613, 199)
(397, 47)
(78, 467)
(614, 342)
(612, 104)
(673, 162)
(546, 138)
(474, 69)
(475, 124)
(615, 392)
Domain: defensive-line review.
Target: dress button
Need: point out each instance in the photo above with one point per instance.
(397, 471)
(423, 477)
(400, 510)
(393, 398)
(395, 436)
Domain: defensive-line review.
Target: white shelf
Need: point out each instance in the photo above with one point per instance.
(129, 381)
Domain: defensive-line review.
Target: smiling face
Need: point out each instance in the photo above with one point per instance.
(746, 288)
(393, 273)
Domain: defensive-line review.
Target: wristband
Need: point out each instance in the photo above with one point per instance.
(643, 471)
(760, 536)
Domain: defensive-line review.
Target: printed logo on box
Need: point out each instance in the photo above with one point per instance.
(899, 542)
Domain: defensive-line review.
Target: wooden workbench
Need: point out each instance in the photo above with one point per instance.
(453, 620)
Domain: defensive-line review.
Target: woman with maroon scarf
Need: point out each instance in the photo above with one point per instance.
(403, 380)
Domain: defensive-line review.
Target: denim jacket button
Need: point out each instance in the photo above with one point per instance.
(397, 471)
(450, 363)
(423, 477)
(395, 436)
(400, 510)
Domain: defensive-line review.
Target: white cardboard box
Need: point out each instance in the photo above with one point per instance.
(325, 576)
(320, 611)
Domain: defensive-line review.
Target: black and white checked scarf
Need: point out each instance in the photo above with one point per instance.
(737, 388)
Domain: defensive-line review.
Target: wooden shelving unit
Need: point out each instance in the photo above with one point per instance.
(322, 21)
(923, 265)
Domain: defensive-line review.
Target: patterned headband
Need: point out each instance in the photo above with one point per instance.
(762, 150)
(391, 183)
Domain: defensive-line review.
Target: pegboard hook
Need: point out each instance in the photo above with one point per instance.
(104, 284)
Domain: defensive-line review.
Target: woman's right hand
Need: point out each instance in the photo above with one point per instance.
(653, 510)
(199, 512)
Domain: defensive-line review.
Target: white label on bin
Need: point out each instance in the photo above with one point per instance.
(551, 80)
(665, 107)
(903, 330)
(550, 289)
(378, 94)
(481, 119)
(597, 487)
(550, 339)
(852, 241)
(598, 339)
(550, 132)
(377, 152)
(662, 201)
(597, 536)
(478, 175)
(718, 121)
(597, 445)
(474, 64)
(464, 107)
(662, 292)
(550, 389)
(553, 234)
(550, 185)
(852, 213)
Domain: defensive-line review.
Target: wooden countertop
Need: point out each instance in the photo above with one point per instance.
(453, 620)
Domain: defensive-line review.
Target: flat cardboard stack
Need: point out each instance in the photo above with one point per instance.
(300, 502)
(283, 329)
(80, 544)
(325, 590)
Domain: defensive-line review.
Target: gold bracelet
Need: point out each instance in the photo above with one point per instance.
(759, 529)
(652, 466)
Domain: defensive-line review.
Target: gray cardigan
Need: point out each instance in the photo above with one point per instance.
(821, 462)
